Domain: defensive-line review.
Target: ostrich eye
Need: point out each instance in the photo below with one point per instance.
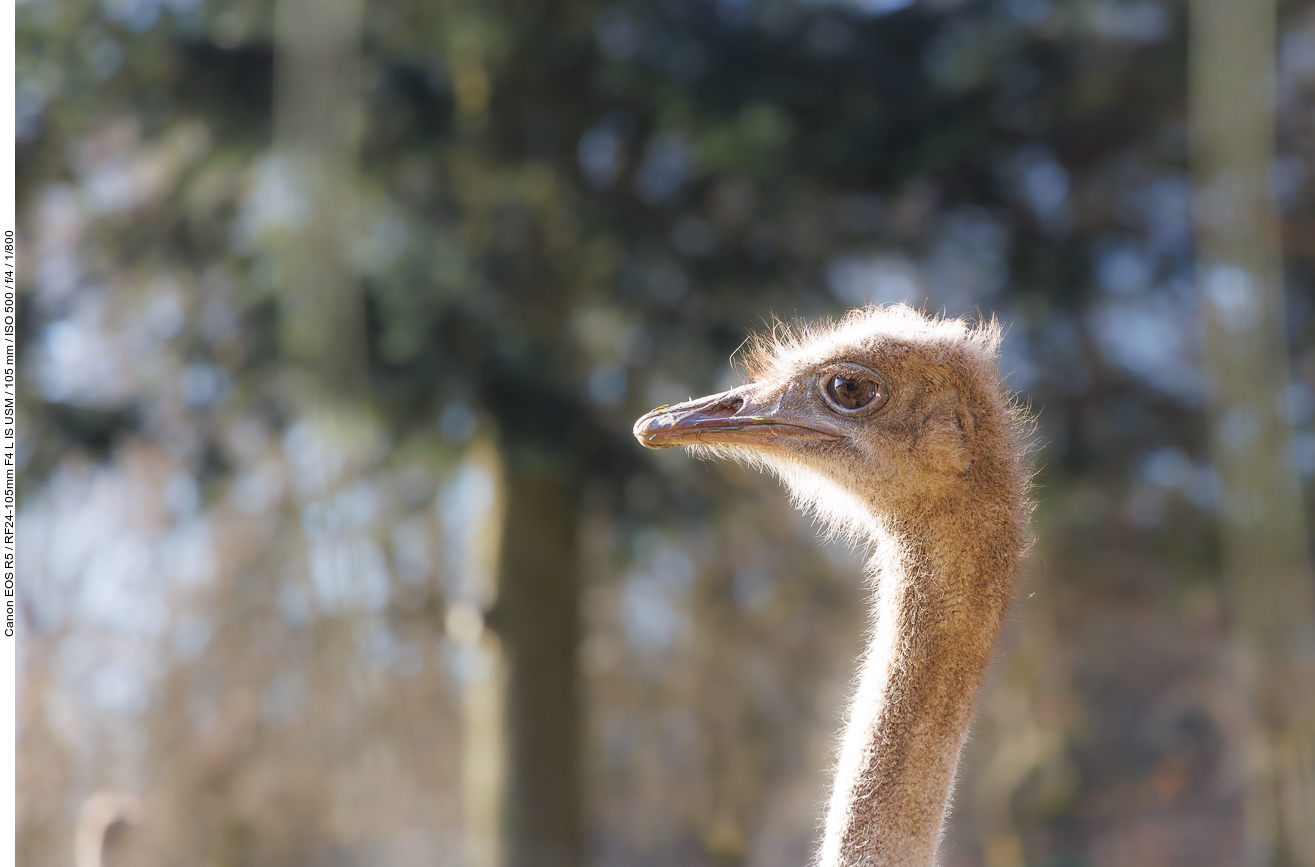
(853, 390)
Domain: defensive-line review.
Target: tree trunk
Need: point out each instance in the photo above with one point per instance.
(1265, 558)
(537, 619)
(310, 200)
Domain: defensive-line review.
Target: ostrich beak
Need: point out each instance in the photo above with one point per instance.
(735, 417)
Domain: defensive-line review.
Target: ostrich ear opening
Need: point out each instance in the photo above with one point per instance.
(944, 437)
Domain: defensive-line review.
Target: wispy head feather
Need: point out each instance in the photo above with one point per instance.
(787, 345)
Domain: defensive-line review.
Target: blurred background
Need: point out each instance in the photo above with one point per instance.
(336, 547)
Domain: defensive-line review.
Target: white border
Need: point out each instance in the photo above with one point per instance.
(8, 266)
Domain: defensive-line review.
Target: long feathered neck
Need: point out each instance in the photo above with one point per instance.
(942, 582)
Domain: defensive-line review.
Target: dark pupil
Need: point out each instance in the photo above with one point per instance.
(853, 392)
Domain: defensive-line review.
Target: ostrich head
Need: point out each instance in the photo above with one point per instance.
(885, 412)
(894, 427)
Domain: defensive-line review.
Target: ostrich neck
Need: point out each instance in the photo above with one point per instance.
(942, 584)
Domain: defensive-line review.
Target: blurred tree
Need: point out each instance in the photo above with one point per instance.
(313, 175)
(1266, 550)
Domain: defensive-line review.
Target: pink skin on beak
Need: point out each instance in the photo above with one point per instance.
(730, 418)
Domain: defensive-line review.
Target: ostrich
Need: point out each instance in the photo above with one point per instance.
(104, 818)
(893, 428)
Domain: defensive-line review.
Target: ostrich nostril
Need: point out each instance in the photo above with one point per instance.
(729, 406)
